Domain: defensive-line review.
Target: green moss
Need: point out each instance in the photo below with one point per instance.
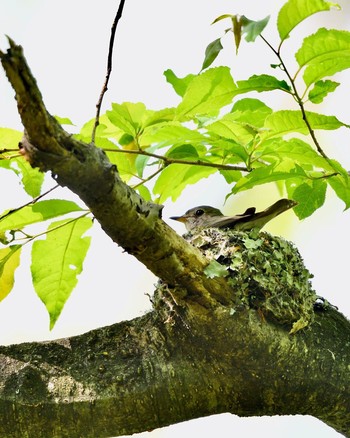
(266, 272)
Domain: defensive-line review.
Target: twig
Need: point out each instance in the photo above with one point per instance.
(168, 160)
(33, 201)
(109, 68)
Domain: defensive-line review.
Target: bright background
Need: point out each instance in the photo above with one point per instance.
(66, 47)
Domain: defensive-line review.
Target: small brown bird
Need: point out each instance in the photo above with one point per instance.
(205, 216)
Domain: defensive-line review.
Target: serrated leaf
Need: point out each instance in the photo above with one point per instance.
(9, 261)
(310, 196)
(229, 128)
(274, 172)
(215, 269)
(179, 84)
(341, 185)
(211, 53)
(261, 83)
(294, 12)
(57, 261)
(38, 212)
(207, 93)
(175, 178)
(324, 53)
(295, 149)
(284, 122)
(321, 89)
(251, 111)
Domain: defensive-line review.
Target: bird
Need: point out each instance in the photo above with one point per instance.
(205, 216)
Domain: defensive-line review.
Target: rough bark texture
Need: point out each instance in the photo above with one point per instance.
(209, 346)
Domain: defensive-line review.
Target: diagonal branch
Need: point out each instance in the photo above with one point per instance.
(131, 222)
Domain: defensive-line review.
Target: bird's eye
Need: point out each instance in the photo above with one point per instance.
(199, 212)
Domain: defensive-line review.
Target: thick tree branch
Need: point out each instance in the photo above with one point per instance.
(130, 221)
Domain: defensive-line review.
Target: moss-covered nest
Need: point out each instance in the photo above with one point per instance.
(267, 273)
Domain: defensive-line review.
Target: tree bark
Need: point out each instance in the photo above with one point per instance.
(249, 342)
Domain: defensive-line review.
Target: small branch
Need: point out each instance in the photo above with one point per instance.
(298, 100)
(109, 68)
(168, 160)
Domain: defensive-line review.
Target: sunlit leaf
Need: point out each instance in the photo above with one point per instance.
(175, 177)
(261, 83)
(251, 111)
(57, 261)
(64, 120)
(294, 12)
(284, 122)
(310, 196)
(179, 84)
(341, 185)
(207, 93)
(211, 53)
(9, 261)
(324, 53)
(229, 127)
(38, 212)
(321, 89)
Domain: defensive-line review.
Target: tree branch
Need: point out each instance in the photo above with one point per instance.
(131, 222)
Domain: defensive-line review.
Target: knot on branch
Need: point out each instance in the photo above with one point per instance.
(266, 272)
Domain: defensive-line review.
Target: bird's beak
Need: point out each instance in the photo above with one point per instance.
(178, 218)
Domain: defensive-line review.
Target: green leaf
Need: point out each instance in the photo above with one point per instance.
(184, 152)
(341, 185)
(207, 93)
(274, 172)
(321, 89)
(179, 84)
(252, 28)
(128, 116)
(175, 178)
(38, 212)
(9, 261)
(295, 149)
(284, 122)
(229, 128)
(32, 179)
(57, 261)
(324, 53)
(261, 83)
(295, 11)
(215, 269)
(310, 196)
(211, 53)
(64, 120)
(251, 111)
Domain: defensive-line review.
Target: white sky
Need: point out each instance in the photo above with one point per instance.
(66, 46)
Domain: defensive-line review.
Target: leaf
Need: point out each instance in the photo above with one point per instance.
(9, 261)
(179, 84)
(32, 179)
(341, 185)
(64, 120)
(261, 83)
(215, 269)
(324, 53)
(295, 11)
(321, 89)
(176, 177)
(251, 111)
(228, 127)
(284, 122)
(128, 116)
(57, 261)
(207, 93)
(310, 196)
(211, 53)
(38, 212)
(272, 173)
(252, 28)
(184, 152)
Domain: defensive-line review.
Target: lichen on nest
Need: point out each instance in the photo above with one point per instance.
(266, 272)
